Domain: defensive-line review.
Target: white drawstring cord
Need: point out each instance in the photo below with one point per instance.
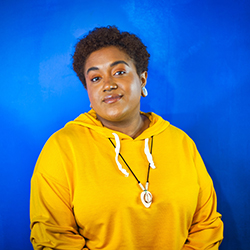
(149, 156)
(117, 151)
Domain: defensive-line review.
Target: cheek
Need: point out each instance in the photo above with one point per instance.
(135, 89)
(91, 94)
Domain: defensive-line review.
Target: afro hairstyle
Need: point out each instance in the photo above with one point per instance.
(102, 37)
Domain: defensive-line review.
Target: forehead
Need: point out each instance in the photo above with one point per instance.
(106, 55)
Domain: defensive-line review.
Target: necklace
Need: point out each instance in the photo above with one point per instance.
(146, 196)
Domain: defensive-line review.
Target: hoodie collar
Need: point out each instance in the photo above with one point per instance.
(89, 120)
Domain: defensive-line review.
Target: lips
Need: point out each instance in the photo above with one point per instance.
(109, 99)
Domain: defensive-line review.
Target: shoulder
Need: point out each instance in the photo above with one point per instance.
(176, 134)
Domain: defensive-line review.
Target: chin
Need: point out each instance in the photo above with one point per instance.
(113, 116)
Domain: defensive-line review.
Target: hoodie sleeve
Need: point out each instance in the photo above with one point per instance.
(206, 231)
(53, 224)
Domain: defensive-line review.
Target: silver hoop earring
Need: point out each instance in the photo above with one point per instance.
(144, 92)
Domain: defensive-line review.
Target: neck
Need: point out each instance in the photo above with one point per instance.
(133, 127)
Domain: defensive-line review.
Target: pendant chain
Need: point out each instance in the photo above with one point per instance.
(131, 169)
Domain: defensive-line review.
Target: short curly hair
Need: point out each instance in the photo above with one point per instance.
(109, 36)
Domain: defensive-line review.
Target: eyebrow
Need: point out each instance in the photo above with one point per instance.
(111, 65)
(118, 62)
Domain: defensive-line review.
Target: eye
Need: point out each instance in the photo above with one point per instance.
(95, 79)
(120, 72)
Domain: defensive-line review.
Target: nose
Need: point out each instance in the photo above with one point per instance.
(109, 85)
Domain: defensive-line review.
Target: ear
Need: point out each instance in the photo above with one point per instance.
(143, 78)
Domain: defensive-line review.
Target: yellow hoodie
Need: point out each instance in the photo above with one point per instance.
(80, 199)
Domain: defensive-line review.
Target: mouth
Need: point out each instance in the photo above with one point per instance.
(109, 99)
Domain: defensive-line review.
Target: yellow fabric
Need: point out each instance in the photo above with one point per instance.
(80, 199)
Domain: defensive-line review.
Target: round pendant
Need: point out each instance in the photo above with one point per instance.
(146, 198)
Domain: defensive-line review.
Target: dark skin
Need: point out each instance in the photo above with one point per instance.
(114, 90)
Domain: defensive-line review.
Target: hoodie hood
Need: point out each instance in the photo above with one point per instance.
(89, 120)
(157, 125)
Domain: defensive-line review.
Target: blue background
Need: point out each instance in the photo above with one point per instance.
(199, 77)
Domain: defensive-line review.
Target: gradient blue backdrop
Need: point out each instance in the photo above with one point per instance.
(199, 78)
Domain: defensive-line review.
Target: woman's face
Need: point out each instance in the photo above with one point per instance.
(113, 85)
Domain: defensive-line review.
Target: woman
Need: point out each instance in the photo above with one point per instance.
(115, 177)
